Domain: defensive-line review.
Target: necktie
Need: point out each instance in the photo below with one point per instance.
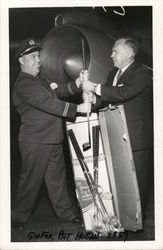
(116, 78)
(119, 74)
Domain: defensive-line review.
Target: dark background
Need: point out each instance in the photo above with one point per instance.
(37, 22)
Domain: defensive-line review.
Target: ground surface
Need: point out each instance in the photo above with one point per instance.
(44, 226)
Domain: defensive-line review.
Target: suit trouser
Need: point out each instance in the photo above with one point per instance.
(42, 161)
(143, 160)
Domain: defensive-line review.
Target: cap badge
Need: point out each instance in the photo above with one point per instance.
(32, 42)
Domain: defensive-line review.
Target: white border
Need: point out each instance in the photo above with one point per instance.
(5, 125)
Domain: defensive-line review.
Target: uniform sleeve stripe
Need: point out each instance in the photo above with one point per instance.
(66, 109)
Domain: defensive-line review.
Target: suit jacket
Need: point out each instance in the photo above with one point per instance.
(134, 91)
(41, 111)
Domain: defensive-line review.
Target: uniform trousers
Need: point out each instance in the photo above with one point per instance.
(42, 161)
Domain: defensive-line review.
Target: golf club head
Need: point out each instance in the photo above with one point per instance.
(86, 146)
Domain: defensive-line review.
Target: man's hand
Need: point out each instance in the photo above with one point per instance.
(88, 86)
(83, 75)
(84, 108)
(89, 97)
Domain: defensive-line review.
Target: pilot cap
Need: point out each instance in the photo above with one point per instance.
(27, 46)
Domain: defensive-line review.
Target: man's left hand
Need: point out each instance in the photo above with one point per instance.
(88, 86)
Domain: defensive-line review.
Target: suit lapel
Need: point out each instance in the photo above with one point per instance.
(111, 77)
(126, 73)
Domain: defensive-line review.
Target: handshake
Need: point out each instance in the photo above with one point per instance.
(88, 87)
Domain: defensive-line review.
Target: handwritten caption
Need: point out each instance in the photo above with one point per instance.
(120, 12)
(46, 235)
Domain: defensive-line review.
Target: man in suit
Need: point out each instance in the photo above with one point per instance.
(130, 84)
(41, 136)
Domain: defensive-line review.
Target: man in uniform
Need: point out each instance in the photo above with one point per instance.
(41, 136)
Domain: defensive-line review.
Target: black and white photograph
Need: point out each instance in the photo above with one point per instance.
(83, 114)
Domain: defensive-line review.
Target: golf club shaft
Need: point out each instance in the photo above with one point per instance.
(89, 133)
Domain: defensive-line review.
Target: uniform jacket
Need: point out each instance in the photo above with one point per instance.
(134, 91)
(41, 111)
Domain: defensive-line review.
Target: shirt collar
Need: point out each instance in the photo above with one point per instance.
(126, 67)
(22, 73)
